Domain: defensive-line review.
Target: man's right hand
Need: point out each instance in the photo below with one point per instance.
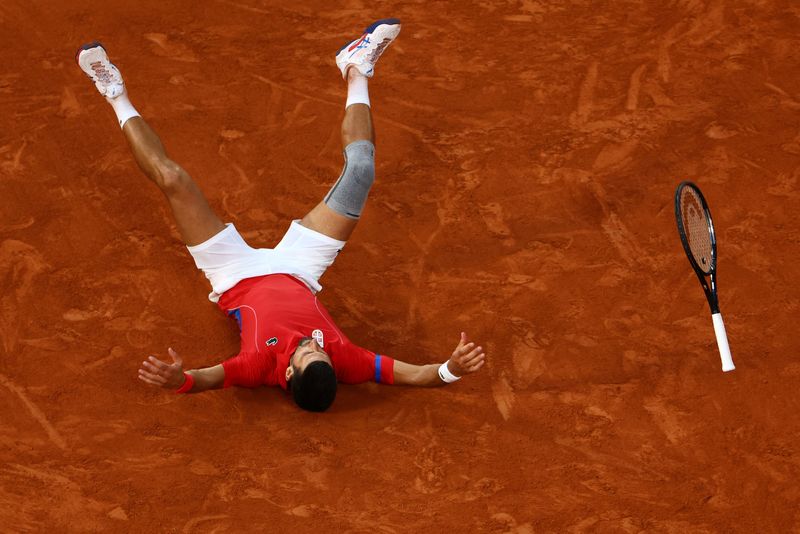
(161, 374)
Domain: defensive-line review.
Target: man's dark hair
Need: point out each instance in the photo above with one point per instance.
(315, 388)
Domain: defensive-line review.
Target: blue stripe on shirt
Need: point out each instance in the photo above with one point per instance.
(237, 314)
(378, 368)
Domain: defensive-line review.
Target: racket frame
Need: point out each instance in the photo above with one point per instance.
(707, 280)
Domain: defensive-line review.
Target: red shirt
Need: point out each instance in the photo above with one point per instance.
(274, 313)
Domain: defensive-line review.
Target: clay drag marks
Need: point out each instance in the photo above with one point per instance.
(526, 169)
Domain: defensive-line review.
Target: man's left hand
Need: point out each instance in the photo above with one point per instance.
(158, 373)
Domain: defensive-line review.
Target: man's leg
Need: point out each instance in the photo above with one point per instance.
(335, 220)
(196, 221)
(194, 217)
(337, 215)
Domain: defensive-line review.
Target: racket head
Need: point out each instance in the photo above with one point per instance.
(696, 228)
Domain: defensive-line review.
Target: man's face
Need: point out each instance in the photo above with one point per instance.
(307, 351)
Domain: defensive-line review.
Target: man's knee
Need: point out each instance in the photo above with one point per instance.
(361, 164)
(349, 194)
(170, 176)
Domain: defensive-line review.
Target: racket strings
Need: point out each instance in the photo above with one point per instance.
(697, 230)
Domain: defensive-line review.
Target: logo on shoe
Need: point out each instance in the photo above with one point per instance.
(361, 43)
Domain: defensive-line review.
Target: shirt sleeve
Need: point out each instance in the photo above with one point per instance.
(246, 369)
(357, 365)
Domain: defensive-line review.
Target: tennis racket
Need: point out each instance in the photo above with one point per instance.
(700, 243)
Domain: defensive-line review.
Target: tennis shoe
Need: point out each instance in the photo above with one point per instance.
(93, 61)
(364, 52)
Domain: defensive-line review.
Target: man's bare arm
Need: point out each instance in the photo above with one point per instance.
(207, 378)
(170, 376)
(466, 359)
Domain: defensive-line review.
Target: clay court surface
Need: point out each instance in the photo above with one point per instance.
(527, 156)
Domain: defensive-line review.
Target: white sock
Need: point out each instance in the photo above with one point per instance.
(123, 108)
(357, 90)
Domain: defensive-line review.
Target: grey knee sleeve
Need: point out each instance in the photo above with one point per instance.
(349, 194)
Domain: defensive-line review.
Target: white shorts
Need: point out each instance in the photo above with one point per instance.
(226, 259)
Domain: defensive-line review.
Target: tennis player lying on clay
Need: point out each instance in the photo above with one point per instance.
(287, 337)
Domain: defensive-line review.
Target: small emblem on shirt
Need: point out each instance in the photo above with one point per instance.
(318, 337)
(272, 341)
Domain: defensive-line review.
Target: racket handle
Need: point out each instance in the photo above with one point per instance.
(722, 343)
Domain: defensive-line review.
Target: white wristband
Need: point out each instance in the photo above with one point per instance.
(446, 376)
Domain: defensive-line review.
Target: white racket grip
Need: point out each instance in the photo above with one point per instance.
(722, 343)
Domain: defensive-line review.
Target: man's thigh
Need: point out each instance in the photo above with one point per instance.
(324, 220)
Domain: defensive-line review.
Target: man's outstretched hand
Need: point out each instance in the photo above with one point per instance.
(467, 358)
(158, 373)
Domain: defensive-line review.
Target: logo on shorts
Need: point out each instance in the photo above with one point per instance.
(272, 341)
(318, 337)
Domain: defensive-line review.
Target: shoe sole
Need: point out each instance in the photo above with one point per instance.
(86, 47)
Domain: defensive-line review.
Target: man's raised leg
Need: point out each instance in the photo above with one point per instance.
(337, 215)
(196, 221)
